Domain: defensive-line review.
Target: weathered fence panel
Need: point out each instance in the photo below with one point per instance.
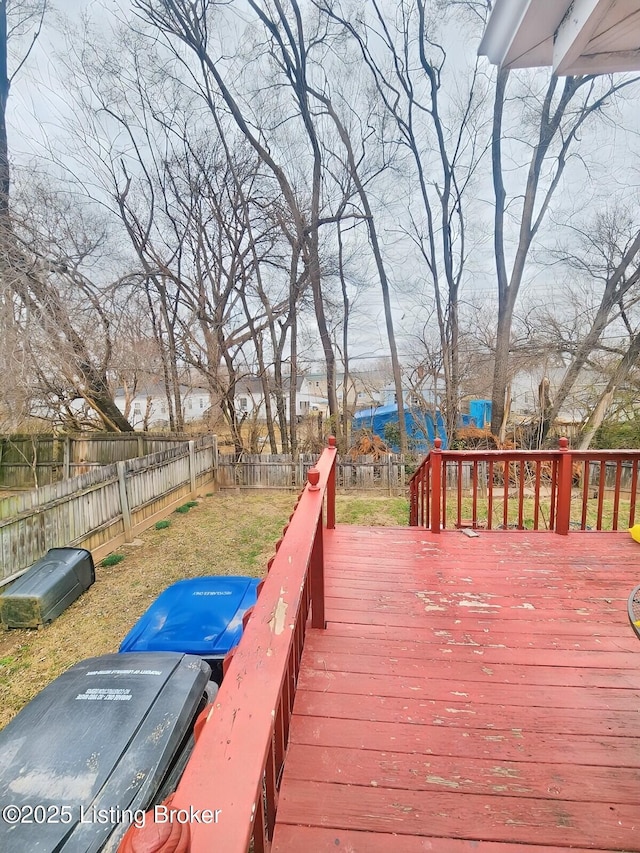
(103, 507)
(27, 461)
(279, 471)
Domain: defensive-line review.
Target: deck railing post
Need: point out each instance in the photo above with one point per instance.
(316, 564)
(436, 485)
(563, 512)
(331, 490)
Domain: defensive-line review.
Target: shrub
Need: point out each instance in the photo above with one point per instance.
(112, 560)
(184, 508)
(162, 525)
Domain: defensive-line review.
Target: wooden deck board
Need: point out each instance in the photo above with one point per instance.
(468, 694)
(311, 839)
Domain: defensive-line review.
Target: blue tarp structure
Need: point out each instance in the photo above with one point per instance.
(480, 412)
(421, 428)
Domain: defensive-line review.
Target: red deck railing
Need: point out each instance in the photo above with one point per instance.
(228, 793)
(559, 489)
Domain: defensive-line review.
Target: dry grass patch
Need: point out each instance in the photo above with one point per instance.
(227, 534)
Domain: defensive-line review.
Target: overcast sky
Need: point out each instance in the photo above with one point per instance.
(38, 100)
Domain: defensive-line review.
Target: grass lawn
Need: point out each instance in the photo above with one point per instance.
(226, 533)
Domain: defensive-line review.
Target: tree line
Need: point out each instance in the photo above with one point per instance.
(230, 185)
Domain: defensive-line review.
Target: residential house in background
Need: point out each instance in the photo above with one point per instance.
(364, 388)
(148, 409)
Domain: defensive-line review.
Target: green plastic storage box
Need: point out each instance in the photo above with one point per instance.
(45, 590)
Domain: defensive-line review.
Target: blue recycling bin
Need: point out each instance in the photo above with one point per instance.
(198, 616)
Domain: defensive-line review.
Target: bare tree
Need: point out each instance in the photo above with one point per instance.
(408, 68)
(565, 108)
(621, 371)
(19, 20)
(607, 257)
(189, 23)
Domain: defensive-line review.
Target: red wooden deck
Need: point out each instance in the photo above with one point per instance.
(467, 694)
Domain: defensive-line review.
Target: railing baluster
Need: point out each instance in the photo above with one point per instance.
(279, 746)
(505, 508)
(634, 488)
(459, 512)
(260, 840)
(288, 692)
(536, 496)
(601, 485)
(443, 496)
(331, 490)
(585, 494)
(616, 496)
(271, 797)
(474, 498)
(298, 634)
(554, 489)
(427, 503)
(521, 497)
(490, 496)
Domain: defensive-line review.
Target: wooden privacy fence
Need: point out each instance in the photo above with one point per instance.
(27, 461)
(280, 471)
(103, 508)
(559, 489)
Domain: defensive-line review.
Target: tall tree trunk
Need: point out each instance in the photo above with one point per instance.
(4, 97)
(503, 335)
(377, 254)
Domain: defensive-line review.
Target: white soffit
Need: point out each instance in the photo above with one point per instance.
(579, 37)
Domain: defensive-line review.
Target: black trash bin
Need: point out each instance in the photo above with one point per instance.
(96, 748)
(45, 590)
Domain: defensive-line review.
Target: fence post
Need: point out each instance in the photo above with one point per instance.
(316, 564)
(66, 457)
(215, 463)
(192, 468)
(140, 439)
(436, 485)
(124, 501)
(563, 511)
(331, 490)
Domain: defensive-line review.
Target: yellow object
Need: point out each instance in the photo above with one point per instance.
(635, 532)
